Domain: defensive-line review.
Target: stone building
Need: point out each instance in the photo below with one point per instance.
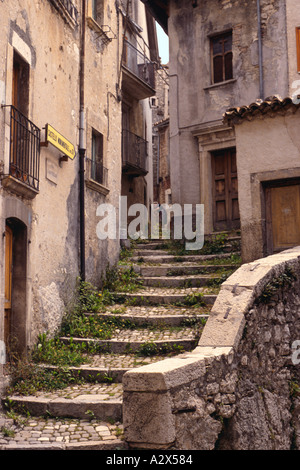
(139, 62)
(269, 177)
(62, 90)
(160, 139)
(223, 53)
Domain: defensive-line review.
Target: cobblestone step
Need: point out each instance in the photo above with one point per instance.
(194, 280)
(159, 315)
(156, 296)
(178, 269)
(132, 341)
(158, 259)
(38, 433)
(102, 401)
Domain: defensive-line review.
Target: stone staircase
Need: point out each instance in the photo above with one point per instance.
(164, 316)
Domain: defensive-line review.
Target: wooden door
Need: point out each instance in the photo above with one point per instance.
(225, 190)
(283, 217)
(8, 283)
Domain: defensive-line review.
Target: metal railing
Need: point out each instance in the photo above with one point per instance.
(135, 61)
(24, 155)
(97, 172)
(66, 7)
(134, 150)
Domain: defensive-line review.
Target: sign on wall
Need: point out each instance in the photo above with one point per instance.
(60, 142)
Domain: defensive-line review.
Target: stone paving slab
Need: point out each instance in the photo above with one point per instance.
(60, 434)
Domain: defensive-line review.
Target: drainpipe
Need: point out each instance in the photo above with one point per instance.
(260, 58)
(81, 144)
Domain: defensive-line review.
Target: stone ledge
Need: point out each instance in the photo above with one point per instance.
(154, 391)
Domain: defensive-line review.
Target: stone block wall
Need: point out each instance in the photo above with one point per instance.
(238, 389)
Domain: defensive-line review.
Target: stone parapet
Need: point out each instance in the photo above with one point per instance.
(234, 390)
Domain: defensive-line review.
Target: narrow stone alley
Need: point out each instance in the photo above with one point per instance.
(163, 316)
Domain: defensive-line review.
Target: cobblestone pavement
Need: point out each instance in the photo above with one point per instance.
(160, 310)
(58, 433)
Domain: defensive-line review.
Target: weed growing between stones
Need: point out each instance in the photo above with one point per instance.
(286, 279)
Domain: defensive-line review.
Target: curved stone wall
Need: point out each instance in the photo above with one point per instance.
(239, 388)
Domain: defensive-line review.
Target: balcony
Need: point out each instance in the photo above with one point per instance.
(24, 155)
(67, 10)
(138, 73)
(134, 154)
(97, 176)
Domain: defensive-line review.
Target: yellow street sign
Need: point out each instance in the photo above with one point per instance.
(60, 142)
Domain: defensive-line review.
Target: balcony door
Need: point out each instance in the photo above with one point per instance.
(19, 163)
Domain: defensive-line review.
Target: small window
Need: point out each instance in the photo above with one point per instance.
(298, 48)
(97, 170)
(97, 11)
(221, 56)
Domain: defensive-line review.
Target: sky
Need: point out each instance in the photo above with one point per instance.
(163, 44)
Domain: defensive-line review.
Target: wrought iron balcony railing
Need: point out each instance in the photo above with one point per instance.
(67, 9)
(24, 155)
(97, 172)
(134, 153)
(138, 64)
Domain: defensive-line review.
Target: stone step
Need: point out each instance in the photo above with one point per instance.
(101, 401)
(133, 341)
(162, 296)
(157, 259)
(160, 316)
(178, 269)
(106, 368)
(178, 281)
(141, 252)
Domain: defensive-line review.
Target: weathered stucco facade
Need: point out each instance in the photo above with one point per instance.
(268, 222)
(263, 63)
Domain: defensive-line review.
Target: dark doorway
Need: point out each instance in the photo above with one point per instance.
(15, 286)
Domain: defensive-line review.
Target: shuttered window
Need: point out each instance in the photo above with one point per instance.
(221, 58)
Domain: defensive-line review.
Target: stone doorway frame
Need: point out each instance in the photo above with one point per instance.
(211, 136)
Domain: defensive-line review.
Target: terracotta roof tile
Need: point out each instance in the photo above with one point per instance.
(260, 107)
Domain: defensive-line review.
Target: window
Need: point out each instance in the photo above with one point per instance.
(97, 170)
(221, 55)
(20, 84)
(97, 11)
(298, 48)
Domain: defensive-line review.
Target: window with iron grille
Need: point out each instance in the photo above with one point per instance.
(221, 57)
(97, 171)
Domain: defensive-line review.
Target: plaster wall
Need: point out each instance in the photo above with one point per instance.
(275, 156)
(50, 45)
(196, 104)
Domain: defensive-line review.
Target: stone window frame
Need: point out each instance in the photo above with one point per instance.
(225, 78)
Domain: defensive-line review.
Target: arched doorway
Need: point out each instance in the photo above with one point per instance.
(15, 286)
